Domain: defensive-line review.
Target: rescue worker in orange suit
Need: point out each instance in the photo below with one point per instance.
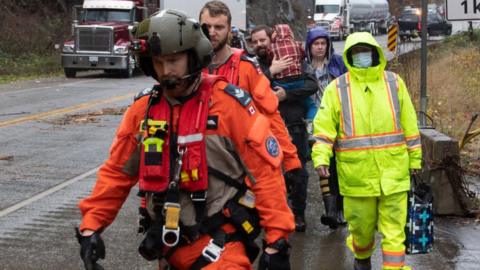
(245, 72)
(189, 142)
(293, 112)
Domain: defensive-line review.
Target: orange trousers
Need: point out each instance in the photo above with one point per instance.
(233, 256)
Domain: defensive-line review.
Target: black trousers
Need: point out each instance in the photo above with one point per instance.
(333, 183)
(297, 182)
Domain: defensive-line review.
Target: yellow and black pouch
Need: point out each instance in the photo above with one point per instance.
(153, 156)
(243, 215)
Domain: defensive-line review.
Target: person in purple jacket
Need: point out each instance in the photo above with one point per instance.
(322, 62)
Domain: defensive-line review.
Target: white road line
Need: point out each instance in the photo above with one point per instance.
(45, 193)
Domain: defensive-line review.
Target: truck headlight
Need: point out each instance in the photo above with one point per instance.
(120, 49)
(68, 48)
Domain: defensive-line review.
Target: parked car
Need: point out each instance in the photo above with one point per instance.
(437, 25)
(409, 23)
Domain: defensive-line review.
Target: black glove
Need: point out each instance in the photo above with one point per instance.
(277, 261)
(151, 246)
(92, 248)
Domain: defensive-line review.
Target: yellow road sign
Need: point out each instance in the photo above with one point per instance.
(392, 38)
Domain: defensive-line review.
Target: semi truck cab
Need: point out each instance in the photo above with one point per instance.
(331, 15)
(101, 37)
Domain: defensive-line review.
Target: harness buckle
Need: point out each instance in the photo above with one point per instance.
(171, 230)
(212, 251)
(199, 196)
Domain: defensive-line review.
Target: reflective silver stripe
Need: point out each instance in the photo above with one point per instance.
(342, 88)
(343, 144)
(413, 142)
(393, 259)
(322, 140)
(190, 138)
(393, 87)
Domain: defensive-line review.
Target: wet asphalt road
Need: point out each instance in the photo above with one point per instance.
(45, 130)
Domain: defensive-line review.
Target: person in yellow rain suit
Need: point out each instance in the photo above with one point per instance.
(368, 115)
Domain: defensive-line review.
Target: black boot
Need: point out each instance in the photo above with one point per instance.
(341, 219)
(300, 225)
(330, 217)
(362, 264)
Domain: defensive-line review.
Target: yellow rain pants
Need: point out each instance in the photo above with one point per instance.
(389, 215)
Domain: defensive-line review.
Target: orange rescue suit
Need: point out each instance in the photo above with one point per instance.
(244, 72)
(238, 125)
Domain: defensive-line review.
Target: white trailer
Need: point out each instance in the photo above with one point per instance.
(192, 8)
(342, 17)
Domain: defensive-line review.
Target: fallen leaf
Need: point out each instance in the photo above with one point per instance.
(8, 158)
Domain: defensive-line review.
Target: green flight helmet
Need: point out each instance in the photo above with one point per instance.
(167, 32)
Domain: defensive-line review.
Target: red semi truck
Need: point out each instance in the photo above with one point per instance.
(101, 31)
(101, 36)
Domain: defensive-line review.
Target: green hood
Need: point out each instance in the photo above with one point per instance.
(364, 74)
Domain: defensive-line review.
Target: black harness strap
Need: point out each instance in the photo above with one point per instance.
(199, 200)
(226, 179)
(211, 225)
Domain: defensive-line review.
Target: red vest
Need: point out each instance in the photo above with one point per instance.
(190, 124)
(231, 68)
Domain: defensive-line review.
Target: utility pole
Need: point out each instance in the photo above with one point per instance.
(423, 71)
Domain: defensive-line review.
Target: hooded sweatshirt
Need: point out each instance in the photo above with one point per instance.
(334, 63)
(283, 45)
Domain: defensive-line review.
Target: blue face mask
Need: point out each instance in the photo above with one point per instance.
(362, 59)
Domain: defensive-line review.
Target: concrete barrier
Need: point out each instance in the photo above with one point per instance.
(437, 148)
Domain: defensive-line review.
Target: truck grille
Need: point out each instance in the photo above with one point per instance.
(94, 39)
(324, 24)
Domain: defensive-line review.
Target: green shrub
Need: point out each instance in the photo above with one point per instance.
(28, 66)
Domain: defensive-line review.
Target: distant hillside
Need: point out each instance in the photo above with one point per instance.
(33, 26)
(292, 12)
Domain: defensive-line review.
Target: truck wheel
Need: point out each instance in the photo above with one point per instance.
(128, 72)
(70, 72)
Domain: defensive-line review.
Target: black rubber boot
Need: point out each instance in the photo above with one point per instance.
(341, 219)
(362, 264)
(330, 217)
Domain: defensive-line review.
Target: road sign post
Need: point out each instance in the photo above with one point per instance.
(423, 68)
